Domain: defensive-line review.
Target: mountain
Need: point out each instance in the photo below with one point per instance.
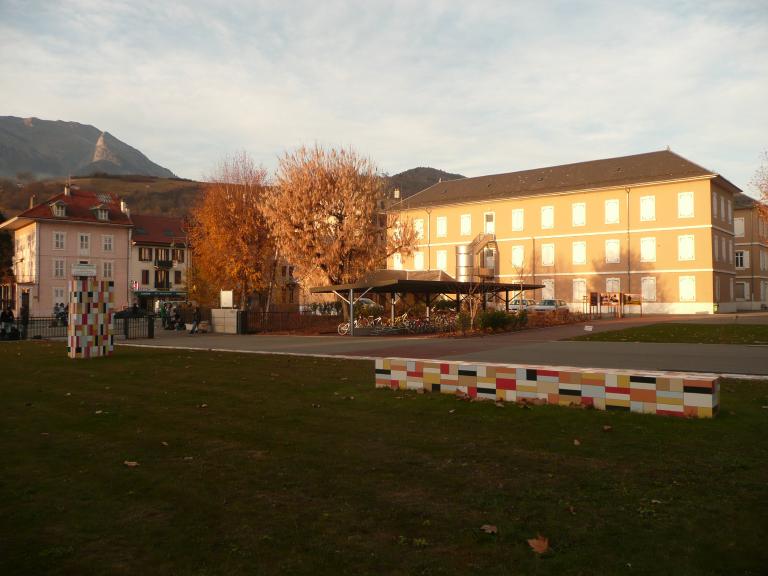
(417, 179)
(40, 149)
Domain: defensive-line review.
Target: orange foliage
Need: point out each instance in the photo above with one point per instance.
(327, 215)
(230, 237)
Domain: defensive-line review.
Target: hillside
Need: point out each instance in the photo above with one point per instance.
(34, 149)
(417, 179)
(144, 194)
(168, 196)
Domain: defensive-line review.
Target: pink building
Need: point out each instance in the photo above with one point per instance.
(74, 227)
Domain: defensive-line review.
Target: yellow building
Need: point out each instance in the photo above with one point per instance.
(655, 225)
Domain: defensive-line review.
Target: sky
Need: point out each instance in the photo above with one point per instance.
(473, 88)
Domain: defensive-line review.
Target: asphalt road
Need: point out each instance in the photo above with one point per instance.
(542, 346)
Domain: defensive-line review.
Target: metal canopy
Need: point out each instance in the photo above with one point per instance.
(400, 285)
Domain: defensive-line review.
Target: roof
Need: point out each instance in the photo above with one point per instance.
(742, 201)
(158, 229)
(81, 207)
(626, 170)
(422, 282)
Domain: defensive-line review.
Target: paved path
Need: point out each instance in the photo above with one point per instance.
(540, 346)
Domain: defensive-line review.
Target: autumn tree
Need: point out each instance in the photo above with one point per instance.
(231, 243)
(760, 183)
(327, 215)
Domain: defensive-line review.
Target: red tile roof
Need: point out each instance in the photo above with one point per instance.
(81, 206)
(158, 229)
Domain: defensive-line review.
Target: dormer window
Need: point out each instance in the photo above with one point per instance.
(60, 209)
(102, 214)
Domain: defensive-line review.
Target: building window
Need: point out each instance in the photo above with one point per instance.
(722, 207)
(518, 219)
(59, 296)
(612, 251)
(548, 292)
(685, 204)
(613, 285)
(612, 211)
(547, 217)
(418, 228)
(442, 260)
(85, 243)
(518, 256)
(145, 254)
(647, 249)
(547, 254)
(59, 210)
(579, 214)
(466, 224)
(738, 227)
(418, 260)
(579, 252)
(648, 288)
(397, 261)
(178, 255)
(442, 227)
(730, 251)
(102, 214)
(107, 267)
(163, 254)
(714, 204)
(742, 259)
(162, 280)
(59, 240)
(106, 242)
(58, 268)
(717, 288)
(647, 208)
(145, 277)
(686, 248)
(579, 290)
(716, 244)
(730, 211)
(489, 219)
(687, 286)
(177, 276)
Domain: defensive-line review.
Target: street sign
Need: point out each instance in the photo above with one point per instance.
(84, 270)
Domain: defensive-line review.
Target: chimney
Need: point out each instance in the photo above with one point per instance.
(124, 208)
(32, 200)
(396, 193)
(67, 190)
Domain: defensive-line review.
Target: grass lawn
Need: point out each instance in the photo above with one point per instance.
(255, 464)
(686, 333)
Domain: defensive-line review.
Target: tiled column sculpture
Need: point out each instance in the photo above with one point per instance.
(89, 333)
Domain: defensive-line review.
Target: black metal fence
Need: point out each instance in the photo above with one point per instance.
(253, 321)
(52, 327)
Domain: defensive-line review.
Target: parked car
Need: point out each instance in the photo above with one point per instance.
(521, 304)
(550, 305)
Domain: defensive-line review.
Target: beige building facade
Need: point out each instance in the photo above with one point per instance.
(653, 225)
(750, 228)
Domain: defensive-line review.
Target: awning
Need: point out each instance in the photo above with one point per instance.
(158, 293)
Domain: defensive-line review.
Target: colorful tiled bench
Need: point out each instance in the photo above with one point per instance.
(665, 393)
(89, 332)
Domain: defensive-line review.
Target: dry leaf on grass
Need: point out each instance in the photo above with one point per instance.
(576, 442)
(540, 544)
(489, 529)
(607, 428)
(130, 463)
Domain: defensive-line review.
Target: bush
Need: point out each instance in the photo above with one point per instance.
(463, 322)
(494, 320)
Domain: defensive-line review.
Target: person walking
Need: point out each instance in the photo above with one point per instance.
(196, 316)
(6, 322)
(164, 316)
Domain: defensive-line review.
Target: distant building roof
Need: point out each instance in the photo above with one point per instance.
(623, 171)
(742, 201)
(80, 206)
(158, 229)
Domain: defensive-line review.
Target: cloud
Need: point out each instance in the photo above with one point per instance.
(468, 87)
